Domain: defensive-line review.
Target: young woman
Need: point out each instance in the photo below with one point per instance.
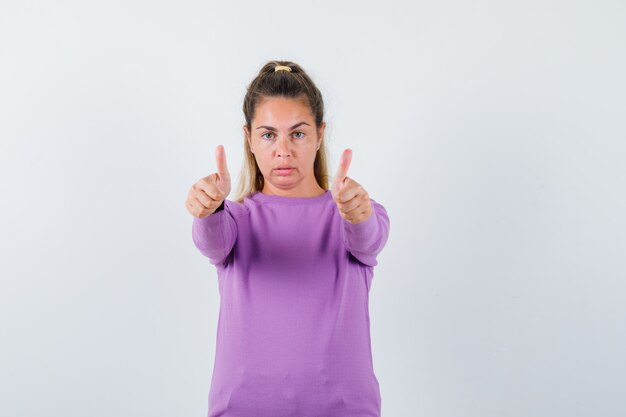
(295, 261)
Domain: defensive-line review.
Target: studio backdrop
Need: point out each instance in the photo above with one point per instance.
(492, 132)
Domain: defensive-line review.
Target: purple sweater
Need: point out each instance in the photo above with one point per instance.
(293, 336)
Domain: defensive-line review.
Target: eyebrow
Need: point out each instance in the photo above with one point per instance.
(292, 127)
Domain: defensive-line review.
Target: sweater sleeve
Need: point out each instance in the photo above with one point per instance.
(215, 235)
(366, 239)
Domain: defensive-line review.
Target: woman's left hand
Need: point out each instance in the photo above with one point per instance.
(351, 198)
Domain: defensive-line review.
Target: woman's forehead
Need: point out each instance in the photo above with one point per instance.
(282, 113)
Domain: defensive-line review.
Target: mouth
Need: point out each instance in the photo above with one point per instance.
(283, 170)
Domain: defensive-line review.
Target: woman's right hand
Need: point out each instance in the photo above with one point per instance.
(207, 194)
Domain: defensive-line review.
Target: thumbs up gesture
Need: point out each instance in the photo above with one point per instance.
(351, 198)
(207, 194)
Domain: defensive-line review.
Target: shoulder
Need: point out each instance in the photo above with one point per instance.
(380, 212)
(377, 206)
(236, 209)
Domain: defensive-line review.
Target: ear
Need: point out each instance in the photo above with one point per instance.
(246, 135)
(320, 133)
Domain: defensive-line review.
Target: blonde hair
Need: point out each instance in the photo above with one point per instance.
(294, 84)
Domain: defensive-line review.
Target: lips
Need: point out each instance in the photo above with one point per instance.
(283, 171)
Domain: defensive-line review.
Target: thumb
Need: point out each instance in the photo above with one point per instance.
(220, 159)
(344, 164)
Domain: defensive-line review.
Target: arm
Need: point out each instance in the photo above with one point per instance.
(215, 235)
(366, 239)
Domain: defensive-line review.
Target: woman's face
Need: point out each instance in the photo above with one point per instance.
(283, 135)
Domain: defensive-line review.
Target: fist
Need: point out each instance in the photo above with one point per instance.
(352, 200)
(207, 194)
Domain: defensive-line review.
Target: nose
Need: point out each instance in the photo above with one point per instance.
(282, 147)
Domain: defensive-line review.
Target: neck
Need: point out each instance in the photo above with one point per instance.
(312, 191)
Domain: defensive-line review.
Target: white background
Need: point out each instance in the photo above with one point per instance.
(493, 133)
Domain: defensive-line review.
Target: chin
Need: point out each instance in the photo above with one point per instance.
(284, 182)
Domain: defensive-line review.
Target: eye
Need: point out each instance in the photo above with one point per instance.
(269, 133)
